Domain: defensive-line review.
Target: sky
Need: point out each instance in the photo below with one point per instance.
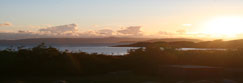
(20, 19)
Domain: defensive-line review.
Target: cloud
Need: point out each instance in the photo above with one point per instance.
(182, 32)
(28, 34)
(165, 33)
(105, 32)
(19, 35)
(22, 31)
(132, 30)
(89, 34)
(6, 24)
(71, 31)
(61, 29)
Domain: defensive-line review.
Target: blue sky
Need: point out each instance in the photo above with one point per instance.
(91, 12)
(160, 15)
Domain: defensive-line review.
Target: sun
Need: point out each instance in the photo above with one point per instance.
(227, 25)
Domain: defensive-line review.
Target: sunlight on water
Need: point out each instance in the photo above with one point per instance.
(98, 49)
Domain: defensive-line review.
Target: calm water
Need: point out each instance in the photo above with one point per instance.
(185, 49)
(100, 49)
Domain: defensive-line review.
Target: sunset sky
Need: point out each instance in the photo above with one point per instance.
(205, 19)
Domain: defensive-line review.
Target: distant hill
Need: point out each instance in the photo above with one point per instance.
(83, 41)
(189, 44)
(174, 40)
(68, 41)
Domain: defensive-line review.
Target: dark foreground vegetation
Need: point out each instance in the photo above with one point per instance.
(45, 61)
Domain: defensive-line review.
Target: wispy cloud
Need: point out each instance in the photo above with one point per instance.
(60, 29)
(105, 32)
(181, 31)
(132, 30)
(72, 31)
(6, 24)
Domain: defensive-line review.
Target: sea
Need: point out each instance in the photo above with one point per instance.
(106, 49)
